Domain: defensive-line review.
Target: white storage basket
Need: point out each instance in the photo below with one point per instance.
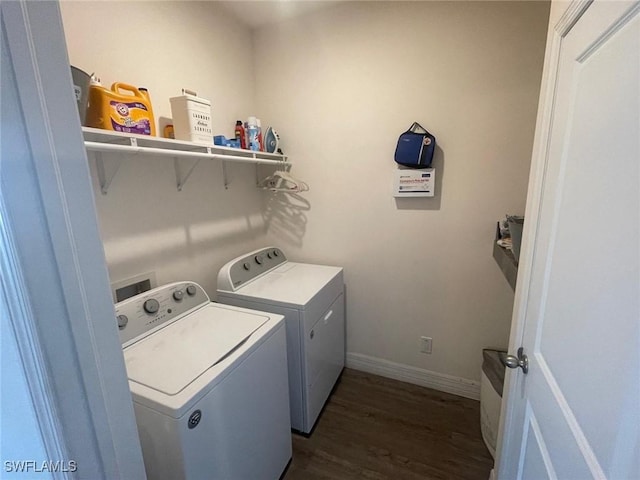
(491, 385)
(192, 118)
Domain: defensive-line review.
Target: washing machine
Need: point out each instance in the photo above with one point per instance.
(209, 385)
(311, 298)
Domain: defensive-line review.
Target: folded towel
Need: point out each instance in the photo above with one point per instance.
(505, 243)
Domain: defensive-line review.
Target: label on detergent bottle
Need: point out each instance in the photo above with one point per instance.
(130, 117)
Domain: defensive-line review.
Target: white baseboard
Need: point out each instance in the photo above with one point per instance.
(417, 376)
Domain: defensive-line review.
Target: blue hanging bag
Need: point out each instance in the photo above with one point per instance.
(415, 147)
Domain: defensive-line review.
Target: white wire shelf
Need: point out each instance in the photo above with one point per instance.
(101, 141)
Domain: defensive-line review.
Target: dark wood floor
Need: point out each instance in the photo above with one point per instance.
(377, 428)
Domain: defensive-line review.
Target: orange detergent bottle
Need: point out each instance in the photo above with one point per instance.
(113, 110)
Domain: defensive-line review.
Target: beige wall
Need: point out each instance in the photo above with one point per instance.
(146, 224)
(340, 85)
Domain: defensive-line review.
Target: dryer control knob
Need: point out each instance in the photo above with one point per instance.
(275, 253)
(259, 259)
(151, 305)
(122, 321)
(246, 266)
(177, 295)
(269, 255)
(191, 290)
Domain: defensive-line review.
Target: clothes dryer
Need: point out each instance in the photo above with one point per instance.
(209, 385)
(311, 298)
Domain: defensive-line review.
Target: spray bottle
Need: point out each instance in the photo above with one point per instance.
(252, 130)
(240, 134)
(260, 140)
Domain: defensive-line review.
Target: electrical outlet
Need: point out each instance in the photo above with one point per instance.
(426, 344)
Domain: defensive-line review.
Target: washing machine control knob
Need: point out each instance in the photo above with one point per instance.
(275, 253)
(269, 255)
(151, 305)
(191, 290)
(246, 266)
(177, 295)
(122, 321)
(259, 259)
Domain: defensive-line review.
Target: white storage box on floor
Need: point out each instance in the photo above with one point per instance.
(491, 384)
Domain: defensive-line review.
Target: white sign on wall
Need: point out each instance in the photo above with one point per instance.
(414, 183)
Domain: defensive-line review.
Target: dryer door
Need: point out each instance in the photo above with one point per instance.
(325, 349)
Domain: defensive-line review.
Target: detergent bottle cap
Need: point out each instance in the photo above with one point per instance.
(252, 121)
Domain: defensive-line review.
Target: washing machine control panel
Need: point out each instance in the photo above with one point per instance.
(247, 267)
(147, 312)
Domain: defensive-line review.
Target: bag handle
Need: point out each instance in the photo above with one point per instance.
(412, 128)
(116, 87)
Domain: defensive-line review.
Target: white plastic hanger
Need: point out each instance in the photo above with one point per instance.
(282, 181)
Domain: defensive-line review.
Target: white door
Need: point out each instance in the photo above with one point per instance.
(576, 414)
(74, 416)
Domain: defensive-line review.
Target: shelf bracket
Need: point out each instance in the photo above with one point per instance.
(105, 176)
(224, 175)
(182, 175)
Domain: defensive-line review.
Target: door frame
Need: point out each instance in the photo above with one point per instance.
(562, 17)
(65, 330)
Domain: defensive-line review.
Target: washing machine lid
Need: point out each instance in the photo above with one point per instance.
(291, 283)
(173, 357)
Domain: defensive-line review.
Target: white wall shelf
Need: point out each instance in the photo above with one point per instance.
(186, 155)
